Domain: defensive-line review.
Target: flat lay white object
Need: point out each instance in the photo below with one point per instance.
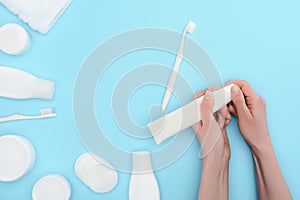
(17, 84)
(39, 14)
(17, 157)
(190, 27)
(50, 187)
(14, 39)
(186, 116)
(143, 183)
(95, 172)
(44, 113)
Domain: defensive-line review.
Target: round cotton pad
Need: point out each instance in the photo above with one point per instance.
(51, 187)
(96, 173)
(101, 179)
(17, 157)
(14, 39)
(81, 162)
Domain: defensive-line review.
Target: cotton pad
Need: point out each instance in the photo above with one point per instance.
(99, 175)
(17, 157)
(50, 187)
(14, 39)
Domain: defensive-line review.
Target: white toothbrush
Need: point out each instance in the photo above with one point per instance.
(190, 27)
(44, 113)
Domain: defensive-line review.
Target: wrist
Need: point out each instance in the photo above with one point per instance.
(263, 148)
(215, 162)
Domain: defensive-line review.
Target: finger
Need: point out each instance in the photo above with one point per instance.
(227, 121)
(247, 90)
(231, 109)
(221, 121)
(227, 117)
(239, 102)
(224, 117)
(200, 94)
(206, 109)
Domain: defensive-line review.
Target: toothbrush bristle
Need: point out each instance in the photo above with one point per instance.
(46, 111)
(191, 27)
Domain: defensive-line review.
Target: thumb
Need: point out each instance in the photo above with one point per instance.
(239, 101)
(206, 109)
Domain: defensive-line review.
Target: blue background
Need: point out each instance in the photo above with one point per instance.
(253, 40)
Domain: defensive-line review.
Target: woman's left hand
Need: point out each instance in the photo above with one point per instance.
(211, 130)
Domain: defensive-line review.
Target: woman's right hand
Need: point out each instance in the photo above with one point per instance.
(250, 109)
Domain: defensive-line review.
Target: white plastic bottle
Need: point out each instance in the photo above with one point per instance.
(17, 84)
(143, 184)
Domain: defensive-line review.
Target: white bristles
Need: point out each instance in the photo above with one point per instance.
(46, 111)
(191, 26)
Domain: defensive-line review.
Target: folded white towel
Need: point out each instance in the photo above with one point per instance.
(39, 14)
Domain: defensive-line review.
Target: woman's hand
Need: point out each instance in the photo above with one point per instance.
(250, 109)
(211, 130)
(215, 147)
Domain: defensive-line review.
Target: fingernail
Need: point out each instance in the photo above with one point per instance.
(235, 90)
(207, 95)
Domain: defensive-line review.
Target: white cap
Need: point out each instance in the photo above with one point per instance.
(17, 157)
(14, 39)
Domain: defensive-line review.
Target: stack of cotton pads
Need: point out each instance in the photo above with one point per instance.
(96, 173)
(52, 187)
(17, 157)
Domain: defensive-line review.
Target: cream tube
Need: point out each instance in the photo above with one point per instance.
(186, 116)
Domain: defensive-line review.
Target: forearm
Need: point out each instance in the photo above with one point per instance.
(270, 181)
(214, 180)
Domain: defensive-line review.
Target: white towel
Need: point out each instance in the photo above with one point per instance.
(39, 14)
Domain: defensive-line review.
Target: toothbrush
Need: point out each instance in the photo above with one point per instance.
(44, 113)
(190, 27)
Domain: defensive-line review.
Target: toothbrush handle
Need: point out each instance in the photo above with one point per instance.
(11, 118)
(169, 91)
(23, 117)
(173, 76)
